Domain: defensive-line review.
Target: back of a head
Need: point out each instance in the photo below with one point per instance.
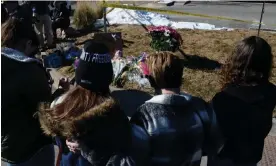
(94, 70)
(17, 31)
(88, 116)
(250, 63)
(166, 69)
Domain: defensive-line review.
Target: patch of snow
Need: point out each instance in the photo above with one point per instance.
(125, 16)
(165, 1)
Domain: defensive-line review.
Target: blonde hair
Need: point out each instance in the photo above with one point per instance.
(166, 69)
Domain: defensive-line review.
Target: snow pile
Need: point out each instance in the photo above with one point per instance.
(124, 16)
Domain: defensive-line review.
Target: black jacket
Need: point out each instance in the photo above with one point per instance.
(4, 14)
(24, 85)
(180, 128)
(245, 117)
(60, 12)
(41, 7)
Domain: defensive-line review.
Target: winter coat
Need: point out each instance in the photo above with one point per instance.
(107, 140)
(42, 7)
(245, 117)
(24, 85)
(61, 12)
(129, 100)
(180, 127)
(4, 14)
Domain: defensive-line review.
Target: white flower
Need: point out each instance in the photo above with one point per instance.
(167, 33)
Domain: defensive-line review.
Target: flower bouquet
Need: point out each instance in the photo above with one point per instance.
(164, 38)
(130, 68)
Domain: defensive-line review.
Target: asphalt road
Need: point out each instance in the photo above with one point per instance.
(243, 11)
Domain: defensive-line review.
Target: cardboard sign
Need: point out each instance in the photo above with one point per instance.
(113, 41)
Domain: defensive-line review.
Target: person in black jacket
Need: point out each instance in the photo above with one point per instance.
(25, 83)
(244, 106)
(180, 126)
(60, 17)
(44, 23)
(4, 13)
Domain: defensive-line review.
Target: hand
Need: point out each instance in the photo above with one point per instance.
(57, 20)
(64, 83)
(73, 146)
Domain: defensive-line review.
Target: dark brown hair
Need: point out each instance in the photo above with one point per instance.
(15, 30)
(90, 117)
(62, 119)
(250, 63)
(166, 69)
(76, 102)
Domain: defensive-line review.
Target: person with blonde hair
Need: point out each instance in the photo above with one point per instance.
(180, 126)
(245, 105)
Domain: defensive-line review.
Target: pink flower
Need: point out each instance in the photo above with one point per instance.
(167, 29)
(144, 68)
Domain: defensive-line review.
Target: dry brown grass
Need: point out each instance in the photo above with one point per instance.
(214, 45)
(86, 13)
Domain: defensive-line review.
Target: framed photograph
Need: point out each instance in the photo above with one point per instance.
(113, 40)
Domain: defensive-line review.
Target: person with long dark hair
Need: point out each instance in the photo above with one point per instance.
(244, 106)
(25, 83)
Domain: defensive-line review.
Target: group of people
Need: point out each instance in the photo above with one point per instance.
(45, 21)
(89, 122)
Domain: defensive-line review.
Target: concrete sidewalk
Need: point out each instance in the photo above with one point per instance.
(269, 153)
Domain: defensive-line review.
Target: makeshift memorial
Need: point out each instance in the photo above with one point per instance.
(131, 69)
(164, 38)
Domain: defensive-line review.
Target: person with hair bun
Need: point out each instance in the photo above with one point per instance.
(245, 105)
(25, 83)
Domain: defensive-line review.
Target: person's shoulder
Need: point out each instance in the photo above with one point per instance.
(145, 108)
(194, 100)
(221, 95)
(272, 86)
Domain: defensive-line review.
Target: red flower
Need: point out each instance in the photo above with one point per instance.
(174, 33)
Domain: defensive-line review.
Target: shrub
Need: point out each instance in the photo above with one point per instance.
(87, 13)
